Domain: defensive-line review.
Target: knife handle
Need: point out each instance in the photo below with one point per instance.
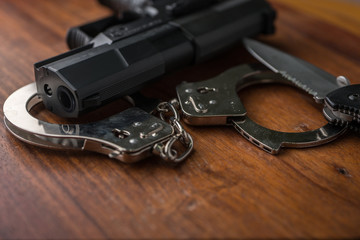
(346, 98)
(345, 103)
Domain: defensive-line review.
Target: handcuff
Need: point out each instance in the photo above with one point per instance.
(135, 134)
(128, 136)
(216, 102)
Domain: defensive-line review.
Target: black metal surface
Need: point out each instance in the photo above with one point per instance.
(119, 55)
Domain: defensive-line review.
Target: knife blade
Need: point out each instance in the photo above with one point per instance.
(308, 77)
(336, 93)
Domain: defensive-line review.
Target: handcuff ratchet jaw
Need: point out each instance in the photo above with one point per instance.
(129, 136)
(216, 102)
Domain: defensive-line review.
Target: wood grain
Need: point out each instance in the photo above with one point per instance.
(227, 188)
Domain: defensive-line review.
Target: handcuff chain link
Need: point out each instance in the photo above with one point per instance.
(168, 112)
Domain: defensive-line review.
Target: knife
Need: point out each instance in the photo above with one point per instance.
(341, 100)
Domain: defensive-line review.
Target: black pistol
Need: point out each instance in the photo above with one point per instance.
(144, 39)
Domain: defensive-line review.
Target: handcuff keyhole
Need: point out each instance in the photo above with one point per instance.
(122, 134)
(204, 90)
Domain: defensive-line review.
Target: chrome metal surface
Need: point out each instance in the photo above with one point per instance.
(219, 96)
(128, 136)
(353, 123)
(272, 141)
(167, 150)
(211, 102)
(342, 81)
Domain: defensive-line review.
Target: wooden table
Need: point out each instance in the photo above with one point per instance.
(228, 188)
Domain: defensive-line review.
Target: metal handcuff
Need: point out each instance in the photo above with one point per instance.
(128, 136)
(134, 134)
(216, 102)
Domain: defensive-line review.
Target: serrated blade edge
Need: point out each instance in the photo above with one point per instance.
(304, 75)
